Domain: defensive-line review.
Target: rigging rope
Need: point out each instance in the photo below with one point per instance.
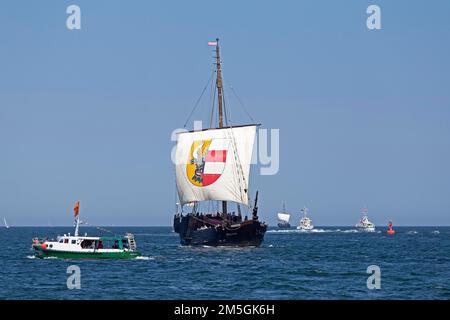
(227, 118)
(99, 228)
(198, 101)
(213, 107)
(203, 220)
(239, 167)
(241, 103)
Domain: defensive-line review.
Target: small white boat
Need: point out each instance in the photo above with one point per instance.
(6, 225)
(305, 222)
(364, 223)
(84, 247)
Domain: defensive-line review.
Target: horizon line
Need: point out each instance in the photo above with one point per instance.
(168, 226)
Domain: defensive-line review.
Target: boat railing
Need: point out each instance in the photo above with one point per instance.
(131, 242)
(37, 240)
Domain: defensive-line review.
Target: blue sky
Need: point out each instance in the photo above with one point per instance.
(87, 114)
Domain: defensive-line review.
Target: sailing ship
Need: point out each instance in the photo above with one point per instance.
(6, 225)
(305, 222)
(364, 223)
(85, 247)
(213, 166)
(283, 218)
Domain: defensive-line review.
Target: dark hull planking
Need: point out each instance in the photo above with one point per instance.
(247, 233)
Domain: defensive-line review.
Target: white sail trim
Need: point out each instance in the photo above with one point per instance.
(226, 164)
(284, 217)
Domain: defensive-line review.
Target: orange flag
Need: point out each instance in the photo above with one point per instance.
(76, 208)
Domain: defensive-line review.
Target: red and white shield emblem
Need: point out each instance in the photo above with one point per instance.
(207, 160)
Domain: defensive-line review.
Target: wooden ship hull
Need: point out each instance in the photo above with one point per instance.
(247, 233)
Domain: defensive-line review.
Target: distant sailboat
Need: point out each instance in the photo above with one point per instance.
(283, 218)
(6, 225)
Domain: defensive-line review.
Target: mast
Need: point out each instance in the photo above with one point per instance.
(77, 223)
(305, 211)
(255, 208)
(220, 102)
(219, 84)
(76, 210)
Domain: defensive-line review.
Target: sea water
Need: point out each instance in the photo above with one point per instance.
(328, 263)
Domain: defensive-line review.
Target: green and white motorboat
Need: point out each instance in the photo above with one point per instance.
(84, 247)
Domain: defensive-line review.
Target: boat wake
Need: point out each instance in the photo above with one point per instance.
(351, 231)
(304, 231)
(435, 232)
(323, 231)
(360, 231)
(412, 232)
(282, 231)
(45, 258)
(144, 258)
(316, 231)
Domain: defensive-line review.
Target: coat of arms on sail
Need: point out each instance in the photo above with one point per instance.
(206, 163)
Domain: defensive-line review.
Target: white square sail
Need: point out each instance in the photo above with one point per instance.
(214, 164)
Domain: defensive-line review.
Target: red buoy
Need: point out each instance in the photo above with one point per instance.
(390, 230)
(44, 246)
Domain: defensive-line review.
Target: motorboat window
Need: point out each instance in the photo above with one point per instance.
(87, 244)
